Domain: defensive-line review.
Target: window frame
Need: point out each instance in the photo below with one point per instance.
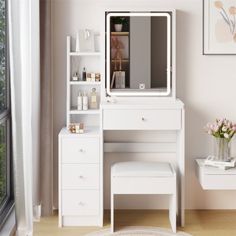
(5, 116)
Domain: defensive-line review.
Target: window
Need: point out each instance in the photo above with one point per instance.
(6, 189)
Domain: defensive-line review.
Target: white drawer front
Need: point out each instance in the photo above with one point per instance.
(80, 150)
(80, 202)
(142, 119)
(80, 176)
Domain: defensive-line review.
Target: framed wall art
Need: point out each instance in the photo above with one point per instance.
(219, 27)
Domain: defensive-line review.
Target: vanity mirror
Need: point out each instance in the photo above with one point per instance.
(139, 53)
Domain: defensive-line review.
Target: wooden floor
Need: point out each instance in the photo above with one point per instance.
(198, 223)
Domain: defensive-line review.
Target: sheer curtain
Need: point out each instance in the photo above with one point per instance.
(25, 90)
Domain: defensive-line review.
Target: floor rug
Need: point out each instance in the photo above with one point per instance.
(138, 231)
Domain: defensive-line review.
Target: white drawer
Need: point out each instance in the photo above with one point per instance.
(80, 150)
(141, 119)
(212, 178)
(80, 176)
(80, 202)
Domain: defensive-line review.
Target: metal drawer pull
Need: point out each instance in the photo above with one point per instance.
(81, 150)
(81, 176)
(143, 119)
(81, 204)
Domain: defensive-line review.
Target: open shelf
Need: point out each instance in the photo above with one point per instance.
(85, 53)
(74, 111)
(84, 83)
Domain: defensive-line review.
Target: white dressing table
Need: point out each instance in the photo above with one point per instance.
(151, 110)
(166, 115)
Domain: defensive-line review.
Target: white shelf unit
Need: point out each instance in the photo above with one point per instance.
(75, 62)
(80, 155)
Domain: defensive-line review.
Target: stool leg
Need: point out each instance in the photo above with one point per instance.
(112, 212)
(172, 212)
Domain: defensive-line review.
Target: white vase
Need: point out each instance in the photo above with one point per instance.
(118, 27)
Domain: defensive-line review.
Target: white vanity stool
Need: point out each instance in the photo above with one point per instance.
(144, 178)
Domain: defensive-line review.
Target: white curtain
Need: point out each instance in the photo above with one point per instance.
(24, 68)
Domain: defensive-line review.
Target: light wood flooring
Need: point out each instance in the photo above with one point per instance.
(198, 223)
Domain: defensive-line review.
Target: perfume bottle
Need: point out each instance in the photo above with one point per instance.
(75, 77)
(93, 99)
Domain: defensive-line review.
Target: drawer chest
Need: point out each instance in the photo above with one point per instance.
(79, 179)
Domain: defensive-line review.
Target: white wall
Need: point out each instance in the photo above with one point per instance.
(206, 84)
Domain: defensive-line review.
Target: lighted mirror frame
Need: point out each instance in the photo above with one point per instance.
(140, 92)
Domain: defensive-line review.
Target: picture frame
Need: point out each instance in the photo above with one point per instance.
(219, 27)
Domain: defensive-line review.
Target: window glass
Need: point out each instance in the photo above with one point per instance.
(3, 163)
(3, 56)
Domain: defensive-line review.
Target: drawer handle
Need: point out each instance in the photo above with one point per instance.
(81, 204)
(143, 119)
(81, 176)
(81, 150)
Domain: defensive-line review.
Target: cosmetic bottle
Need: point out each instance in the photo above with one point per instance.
(79, 102)
(85, 102)
(84, 74)
(93, 99)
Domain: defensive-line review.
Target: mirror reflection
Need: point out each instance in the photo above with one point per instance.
(139, 52)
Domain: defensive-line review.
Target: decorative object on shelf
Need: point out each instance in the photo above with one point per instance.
(93, 99)
(85, 41)
(223, 165)
(75, 76)
(84, 75)
(223, 131)
(219, 21)
(119, 22)
(79, 102)
(88, 77)
(77, 42)
(76, 128)
(117, 45)
(85, 102)
(92, 77)
(97, 77)
(118, 77)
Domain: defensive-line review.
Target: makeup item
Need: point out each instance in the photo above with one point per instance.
(88, 78)
(92, 77)
(97, 77)
(85, 102)
(75, 77)
(76, 128)
(84, 74)
(93, 99)
(79, 102)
